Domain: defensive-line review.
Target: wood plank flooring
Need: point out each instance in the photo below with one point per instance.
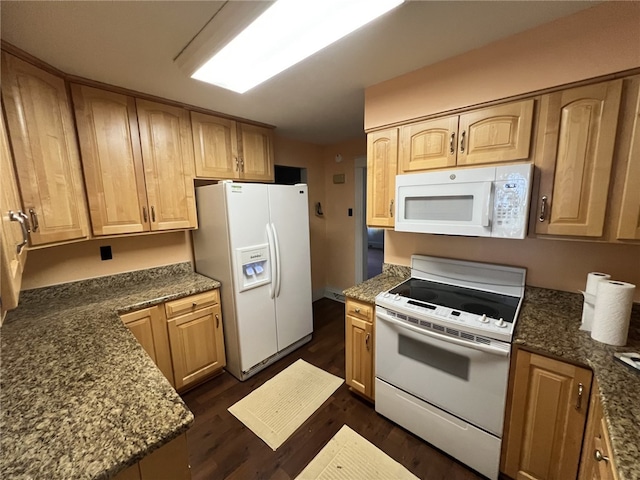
(221, 447)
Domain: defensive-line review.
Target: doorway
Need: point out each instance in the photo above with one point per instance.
(369, 241)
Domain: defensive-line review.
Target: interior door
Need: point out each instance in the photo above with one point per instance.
(290, 217)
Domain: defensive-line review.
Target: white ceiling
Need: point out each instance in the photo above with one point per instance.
(132, 44)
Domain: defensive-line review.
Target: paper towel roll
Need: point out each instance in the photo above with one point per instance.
(593, 279)
(612, 312)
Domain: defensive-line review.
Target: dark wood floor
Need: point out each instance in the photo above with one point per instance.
(221, 447)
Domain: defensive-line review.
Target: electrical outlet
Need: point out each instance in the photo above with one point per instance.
(105, 253)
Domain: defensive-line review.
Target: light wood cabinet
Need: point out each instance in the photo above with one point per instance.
(150, 329)
(196, 339)
(382, 164)
(546, 420)
(169, 461)
(501, 133)
(597, 455)
(226, 149)
(574, 153)
(41, 129)
(359, 347)
(167, 153)
(13, 252)
(136, 181)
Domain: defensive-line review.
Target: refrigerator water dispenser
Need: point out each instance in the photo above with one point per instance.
(253, 263)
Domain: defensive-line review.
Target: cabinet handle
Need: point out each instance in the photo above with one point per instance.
(217, 320)
(452, 143)
(242, 164)
(543, 209)
(599, 457)
(391, 208)
(20, 218)
(144, 214)
(153, 214)
(357, 310)
(464, 133)
(579, 399)
(34, 220)
(26, 220)
(366, 341)
(237, 165)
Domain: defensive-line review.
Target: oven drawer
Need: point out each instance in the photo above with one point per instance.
(359, 309)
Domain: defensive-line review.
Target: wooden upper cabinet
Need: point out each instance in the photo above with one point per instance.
(495, 134)
(490, 135)
(382, 164)
(112, 160)
(576, 139)
(546, 421)
(215, 143)
(13, 252)
(430, 144)
(255, 152)
(40, 125)
(167, 152)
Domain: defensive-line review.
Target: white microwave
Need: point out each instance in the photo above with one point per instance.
(479, 202)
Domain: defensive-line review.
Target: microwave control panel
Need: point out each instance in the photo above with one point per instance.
(511, 204)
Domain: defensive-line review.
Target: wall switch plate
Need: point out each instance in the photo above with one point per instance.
(105, 253)
(338, 178)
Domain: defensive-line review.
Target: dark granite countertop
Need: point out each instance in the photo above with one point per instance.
(80, 397)
(549, 323)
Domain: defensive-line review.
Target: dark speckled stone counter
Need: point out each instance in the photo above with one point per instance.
(80, 397)
(549, 323)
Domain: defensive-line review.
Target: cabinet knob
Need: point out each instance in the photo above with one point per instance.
(357, 309)
(194, 304)
(599, 457)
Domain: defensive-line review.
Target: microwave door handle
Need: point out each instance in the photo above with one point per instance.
(486, 206)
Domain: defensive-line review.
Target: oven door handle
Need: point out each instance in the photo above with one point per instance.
(476, 346)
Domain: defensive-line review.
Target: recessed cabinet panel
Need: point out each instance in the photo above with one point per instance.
(215, 146)
(114, 173)
(167, 152)
(382, 161)
(577, 132)
(40, 125)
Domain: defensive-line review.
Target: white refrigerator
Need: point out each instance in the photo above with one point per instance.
(254, 239)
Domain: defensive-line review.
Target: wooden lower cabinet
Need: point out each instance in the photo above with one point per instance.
(169, 461)
(183, 337)
(359, 347)
(597, 455)
(545, 423)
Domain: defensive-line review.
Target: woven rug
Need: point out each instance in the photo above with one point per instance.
(277, 408)
(348, 456)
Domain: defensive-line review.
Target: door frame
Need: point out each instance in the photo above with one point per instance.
(361, 218)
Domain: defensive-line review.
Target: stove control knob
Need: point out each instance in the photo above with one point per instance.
(501, 323)
(386, 295)
(484, 319)
(397, 297)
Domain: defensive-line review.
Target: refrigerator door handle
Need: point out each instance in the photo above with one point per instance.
(278, 264)
(272, 254)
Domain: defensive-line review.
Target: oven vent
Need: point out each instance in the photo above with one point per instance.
(440, 328)
(424, 323)
(467, 336)
(454, 332)
(486, 341)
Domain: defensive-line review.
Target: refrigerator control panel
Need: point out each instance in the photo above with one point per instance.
(253, 263)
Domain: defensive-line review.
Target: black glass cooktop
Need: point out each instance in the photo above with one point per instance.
(493, 305)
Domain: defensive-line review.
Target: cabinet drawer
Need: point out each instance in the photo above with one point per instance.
(359, 309)
(191, 303)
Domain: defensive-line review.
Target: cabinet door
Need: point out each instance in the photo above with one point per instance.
(382, 165)
(629, 218)
(197, 345)
(256, 153)
(149, 328)
(576, 139)
(359, 355)
(426, 145)
(495, 134)
(112, 161)
(215, 143)
(41, 129)
(167, 153)
(14, 254)
(547, 418)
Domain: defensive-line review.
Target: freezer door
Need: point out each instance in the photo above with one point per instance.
(248, 215)
(292, 268)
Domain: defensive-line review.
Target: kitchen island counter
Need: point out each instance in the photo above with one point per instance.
(80, 397)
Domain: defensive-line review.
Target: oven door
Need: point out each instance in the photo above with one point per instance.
(470, 382)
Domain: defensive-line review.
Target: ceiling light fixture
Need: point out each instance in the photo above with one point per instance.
(286, 33)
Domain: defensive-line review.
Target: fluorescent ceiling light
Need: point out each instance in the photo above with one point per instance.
(286, 33)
